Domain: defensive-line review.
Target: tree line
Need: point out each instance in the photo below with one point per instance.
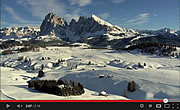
(156, 48)
(57, 87)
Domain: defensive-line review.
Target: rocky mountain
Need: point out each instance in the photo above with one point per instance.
(19, 32)
(164, 31)
(52, 25)
(82, 29)
(91, 30)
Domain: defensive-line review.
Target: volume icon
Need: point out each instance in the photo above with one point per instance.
(19, 106)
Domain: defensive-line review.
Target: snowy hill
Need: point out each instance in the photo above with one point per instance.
(156, 77)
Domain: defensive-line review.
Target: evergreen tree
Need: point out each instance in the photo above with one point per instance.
(42, 67)
(132, 86)
(60, 82)
(89, 63)
(40, 73)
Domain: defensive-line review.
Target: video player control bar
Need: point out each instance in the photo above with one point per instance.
(90, 105)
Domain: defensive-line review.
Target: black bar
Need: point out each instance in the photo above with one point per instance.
(89, 105)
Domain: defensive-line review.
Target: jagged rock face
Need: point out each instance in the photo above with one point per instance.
(52, 24)
(19, 31)
(81, 29)
(85, 25)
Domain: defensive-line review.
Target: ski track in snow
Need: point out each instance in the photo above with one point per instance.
(5, 97)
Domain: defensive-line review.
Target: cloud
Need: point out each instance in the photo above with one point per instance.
(73, 15)
(104, 15)
(40, 8)
(139, 19)
(155, 15)
(80, 2)
(118, 1)
(20, 21)
(14, 15)
(114, 21)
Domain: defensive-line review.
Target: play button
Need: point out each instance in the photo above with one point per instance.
(8, 106)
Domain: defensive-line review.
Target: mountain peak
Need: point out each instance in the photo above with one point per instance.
(50, 22)
(81, 29)
(51, 14)
(73, 21)
(94, 16)
(167, 30)
(100, 21)
(52, 18)
(82, 19)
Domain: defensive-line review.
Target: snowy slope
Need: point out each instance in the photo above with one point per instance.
(157, 80)
(100, 21)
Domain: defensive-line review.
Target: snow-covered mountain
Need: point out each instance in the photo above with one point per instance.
(91, 30)
(83, 28)
(164, 31)
(19, 31)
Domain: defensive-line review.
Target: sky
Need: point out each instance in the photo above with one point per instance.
(135, 14)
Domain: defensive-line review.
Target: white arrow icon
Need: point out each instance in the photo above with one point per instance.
(7, 105)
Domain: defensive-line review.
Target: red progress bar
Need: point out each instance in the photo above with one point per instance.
(81, 100)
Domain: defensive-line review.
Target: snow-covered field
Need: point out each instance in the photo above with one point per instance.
(158, 79)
